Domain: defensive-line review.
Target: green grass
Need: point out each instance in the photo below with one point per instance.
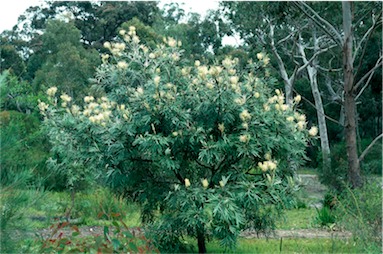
(90, 205)
(297, 219)
(287, 246)
(91, 208)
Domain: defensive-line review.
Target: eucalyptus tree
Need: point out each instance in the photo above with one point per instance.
(68, 65)
(359, 22)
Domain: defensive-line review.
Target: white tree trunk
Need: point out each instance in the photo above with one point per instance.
(312, 73)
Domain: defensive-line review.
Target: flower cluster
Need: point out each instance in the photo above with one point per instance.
(313, 131)
(267, 165)
(65, 100)
(115, 48)
(98, 112)
(52, 91)
(277, 101)
(264, 58)
(43, 107)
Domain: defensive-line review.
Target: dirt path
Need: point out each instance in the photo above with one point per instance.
(277, 234)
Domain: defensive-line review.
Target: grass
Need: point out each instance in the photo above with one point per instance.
(92, 204)
(297, 219)
(287, 246)
(91, 209)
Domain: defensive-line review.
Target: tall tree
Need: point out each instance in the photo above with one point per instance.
(68, 65)
(352, 86)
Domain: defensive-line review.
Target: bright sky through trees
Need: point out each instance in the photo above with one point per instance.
(13, 9)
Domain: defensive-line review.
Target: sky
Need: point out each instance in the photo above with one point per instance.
(14, 8)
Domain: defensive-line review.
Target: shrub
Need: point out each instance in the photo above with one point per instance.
(16, 196)
(205, 150)
(336, 177)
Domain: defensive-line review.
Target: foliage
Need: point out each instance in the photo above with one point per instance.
(24, 147)
(16, 196)
(10, 59)
(361, 211)
(159, 127)
(116, 239)
(325, 217)
(336, 177)
(17, 95)
(67, 64)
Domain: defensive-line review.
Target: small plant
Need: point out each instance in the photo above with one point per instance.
(325, 217)
(117, 239)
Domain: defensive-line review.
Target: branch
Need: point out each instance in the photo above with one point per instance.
(369, 73)
(367, 34)
(312, 104)
(365, 47)
(203, 165)
(369, 147)
(321, 22)
(328, 70)
(281, 65)
(286, 38)
(314, 57)
(334, 96)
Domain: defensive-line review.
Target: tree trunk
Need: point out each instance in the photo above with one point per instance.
(349, 99)
(312, 73)
(325, 146)
(201, 241)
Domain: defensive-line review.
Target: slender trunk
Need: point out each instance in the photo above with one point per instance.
(312, 73)
(325, 146)
(349, 99)
(201, 241)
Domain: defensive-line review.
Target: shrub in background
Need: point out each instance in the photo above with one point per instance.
(336, 177)
(205, 150)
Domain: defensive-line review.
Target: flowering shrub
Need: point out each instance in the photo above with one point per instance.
(204, 149)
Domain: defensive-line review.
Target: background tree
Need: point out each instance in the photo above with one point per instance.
(352, 87)
(284, 33)
(67, 65)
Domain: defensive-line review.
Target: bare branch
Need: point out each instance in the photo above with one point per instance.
(369, 147)
(334, 96)
(365, 47)
(286, 38)
(321, 22)
(281, 65)
(314, 57)
(369, 73)
(367, 34)
(329, 70)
